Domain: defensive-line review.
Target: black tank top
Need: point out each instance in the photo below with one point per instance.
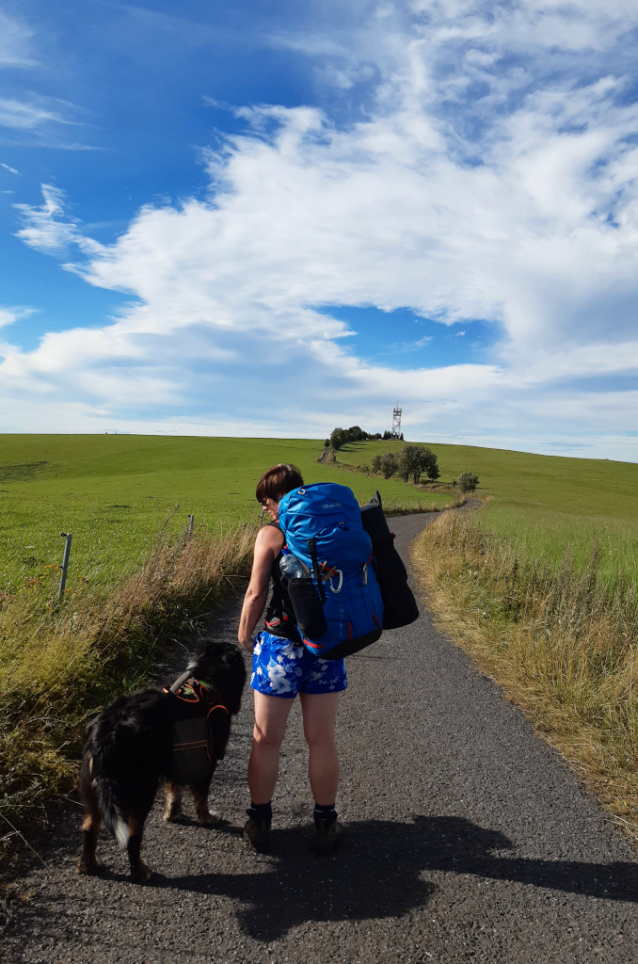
(280, 616)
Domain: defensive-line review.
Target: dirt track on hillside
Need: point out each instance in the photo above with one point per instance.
(467, 839)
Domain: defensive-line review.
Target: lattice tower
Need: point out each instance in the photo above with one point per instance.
(396, 422)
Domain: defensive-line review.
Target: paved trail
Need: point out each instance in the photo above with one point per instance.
(468, 839)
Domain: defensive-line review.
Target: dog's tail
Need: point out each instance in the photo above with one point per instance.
(110, 806)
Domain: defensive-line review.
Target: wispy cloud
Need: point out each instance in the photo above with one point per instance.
(404, 347)
(10, 315)
(49, 228)
(15, 42)
(43, 121)
(12, 170)
(23, 115)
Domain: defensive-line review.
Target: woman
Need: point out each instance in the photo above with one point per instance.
(283, 668)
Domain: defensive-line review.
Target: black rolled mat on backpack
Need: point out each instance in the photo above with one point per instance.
(400, 606)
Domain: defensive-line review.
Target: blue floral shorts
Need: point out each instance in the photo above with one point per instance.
(283, 668)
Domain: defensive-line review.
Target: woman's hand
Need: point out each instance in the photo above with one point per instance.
(248, 644)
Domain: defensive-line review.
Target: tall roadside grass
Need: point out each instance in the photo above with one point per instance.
(561, 639)
(393, 507)
(60, 663)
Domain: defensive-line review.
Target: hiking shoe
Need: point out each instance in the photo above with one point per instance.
(327, 836)
(257, 834)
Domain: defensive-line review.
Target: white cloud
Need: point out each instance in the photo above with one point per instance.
(10, 315)
(15, 42)
(12, 170)
(49, 229)
(472, 189)
(26, 116)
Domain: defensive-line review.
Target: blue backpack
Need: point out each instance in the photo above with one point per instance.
(338, 608)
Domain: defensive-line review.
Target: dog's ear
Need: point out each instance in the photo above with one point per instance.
(230, 676)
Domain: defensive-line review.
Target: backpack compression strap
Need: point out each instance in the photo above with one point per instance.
(220, 706)
(179, 682)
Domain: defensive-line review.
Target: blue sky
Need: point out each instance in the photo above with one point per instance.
(274, 218)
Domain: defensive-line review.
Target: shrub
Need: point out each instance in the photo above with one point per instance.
(468, 481)
(388, 464)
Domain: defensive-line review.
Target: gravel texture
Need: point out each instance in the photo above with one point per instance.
(468, 839)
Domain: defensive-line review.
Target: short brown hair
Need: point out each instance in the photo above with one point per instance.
(277, 481)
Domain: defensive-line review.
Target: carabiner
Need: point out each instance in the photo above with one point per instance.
(338, 589)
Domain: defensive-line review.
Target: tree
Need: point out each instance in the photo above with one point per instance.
(326, 444)
(409, 463)
(356, 434)
(415, 459)
(338, 437)
(468, 481)
(376, 463)
(388, 464)
(430, 463)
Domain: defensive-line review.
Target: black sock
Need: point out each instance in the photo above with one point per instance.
(325, 813)
(260, 811)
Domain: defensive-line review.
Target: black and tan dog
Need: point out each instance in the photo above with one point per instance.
(144, 738)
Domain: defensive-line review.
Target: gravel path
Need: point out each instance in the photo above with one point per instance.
(468, 839)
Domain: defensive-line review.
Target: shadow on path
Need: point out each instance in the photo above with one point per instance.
(379, 873)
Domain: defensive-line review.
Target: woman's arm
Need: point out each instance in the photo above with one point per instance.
(267, 547)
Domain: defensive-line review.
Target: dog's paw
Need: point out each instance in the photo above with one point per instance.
(140, 874)
(84, 868)
(211, 818)
(172, 814)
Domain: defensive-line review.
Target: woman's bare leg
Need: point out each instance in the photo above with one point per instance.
(319, 717)
(271, 717)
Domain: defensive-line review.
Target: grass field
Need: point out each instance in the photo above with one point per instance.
(113, 492)
(546, 504)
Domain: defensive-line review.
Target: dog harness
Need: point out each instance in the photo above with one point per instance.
(192, 753)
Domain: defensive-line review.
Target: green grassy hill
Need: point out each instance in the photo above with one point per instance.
(546, 503)
(114, 492)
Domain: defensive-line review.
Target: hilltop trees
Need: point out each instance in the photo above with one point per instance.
(339, 436)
